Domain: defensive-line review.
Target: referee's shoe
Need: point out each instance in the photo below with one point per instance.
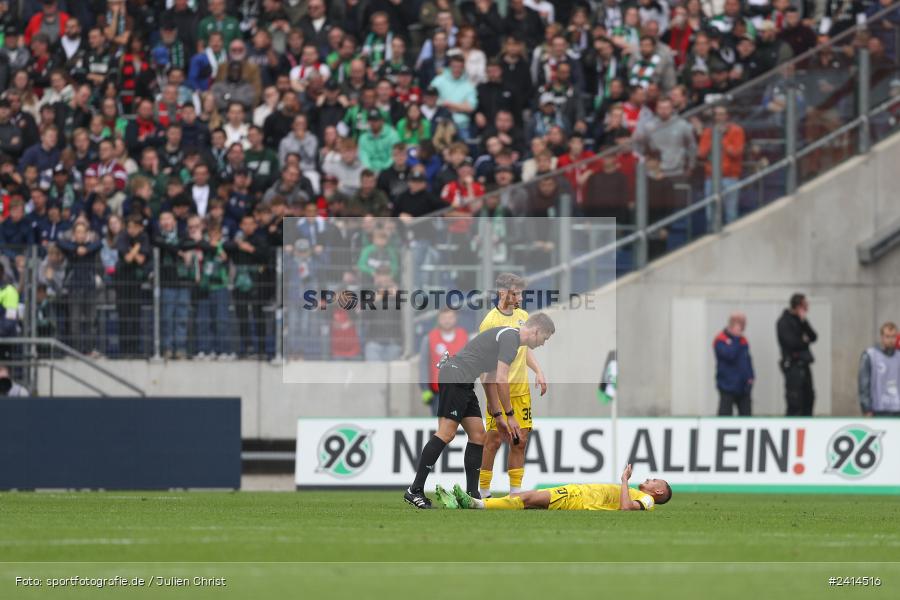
(417, 498)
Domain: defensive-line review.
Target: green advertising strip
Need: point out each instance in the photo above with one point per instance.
(867, 490)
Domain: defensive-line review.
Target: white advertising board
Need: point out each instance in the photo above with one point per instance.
(834, 453)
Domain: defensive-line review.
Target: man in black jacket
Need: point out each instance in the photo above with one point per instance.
(516, 74)
(81, 251)
(521, 19)
(489, 25)
(278, 124)
(249, 251)
(795, 334)
(131, 272)
(417, 201)
(392, 181)
(10, 134)
(493, 95)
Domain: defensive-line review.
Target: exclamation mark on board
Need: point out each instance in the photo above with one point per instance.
(799, 468)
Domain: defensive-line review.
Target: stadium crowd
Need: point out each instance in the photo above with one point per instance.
(196, 126)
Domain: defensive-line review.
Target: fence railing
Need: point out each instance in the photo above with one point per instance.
(39, 353)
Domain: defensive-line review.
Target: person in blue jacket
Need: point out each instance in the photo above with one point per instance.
(734, 367)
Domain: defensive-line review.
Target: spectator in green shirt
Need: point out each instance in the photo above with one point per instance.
(219, 21)
(261, 160)
(375, 145)
(377, 255)
(369, 200)
(414, 127)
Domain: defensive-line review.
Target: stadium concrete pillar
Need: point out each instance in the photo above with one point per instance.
(790, 138)
(640, 216)
(156, 305)
(716, 225)
(864, 98)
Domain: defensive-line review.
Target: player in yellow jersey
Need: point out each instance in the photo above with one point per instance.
(591, 496)
(508, 314)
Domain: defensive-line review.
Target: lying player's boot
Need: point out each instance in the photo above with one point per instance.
(445, 497)
(417, 499)
(464, 499)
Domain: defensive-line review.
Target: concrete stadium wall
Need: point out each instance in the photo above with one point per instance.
(802, 243)
(269, 407)
(666, 318)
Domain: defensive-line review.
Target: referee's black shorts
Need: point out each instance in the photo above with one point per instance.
(456, 400)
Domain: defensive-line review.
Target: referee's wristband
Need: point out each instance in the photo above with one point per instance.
(497, 414)
(511, 412)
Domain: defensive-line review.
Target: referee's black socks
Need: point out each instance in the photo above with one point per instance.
(430, 453)
(472, 462)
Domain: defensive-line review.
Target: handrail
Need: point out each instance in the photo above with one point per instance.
(702, 204)
(77, 379)
(71, 352)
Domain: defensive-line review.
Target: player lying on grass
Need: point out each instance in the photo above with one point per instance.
(491, 352)
(591, 496)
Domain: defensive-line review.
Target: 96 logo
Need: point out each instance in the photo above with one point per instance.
(345, 451)
(854, 451)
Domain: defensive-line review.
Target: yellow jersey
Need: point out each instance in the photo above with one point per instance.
(9, 298)
(595, 496)
(518, 370)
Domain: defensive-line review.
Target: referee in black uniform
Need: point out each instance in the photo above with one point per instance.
(491, 352)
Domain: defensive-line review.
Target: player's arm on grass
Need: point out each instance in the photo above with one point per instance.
(625, 501)
(539, 379)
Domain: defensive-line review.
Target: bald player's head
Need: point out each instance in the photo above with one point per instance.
(658, 488)
(737, 322)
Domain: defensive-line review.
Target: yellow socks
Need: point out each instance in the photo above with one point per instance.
(515, 480)
(484, 483)
(505, 503)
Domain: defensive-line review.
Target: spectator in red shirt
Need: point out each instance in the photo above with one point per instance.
(48, 15)
(634, 106)
(446, 337)
(679, 35)
(579, 175)
(108, 165)
(462, 193)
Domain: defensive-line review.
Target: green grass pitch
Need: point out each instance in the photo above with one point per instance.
(372, 545)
